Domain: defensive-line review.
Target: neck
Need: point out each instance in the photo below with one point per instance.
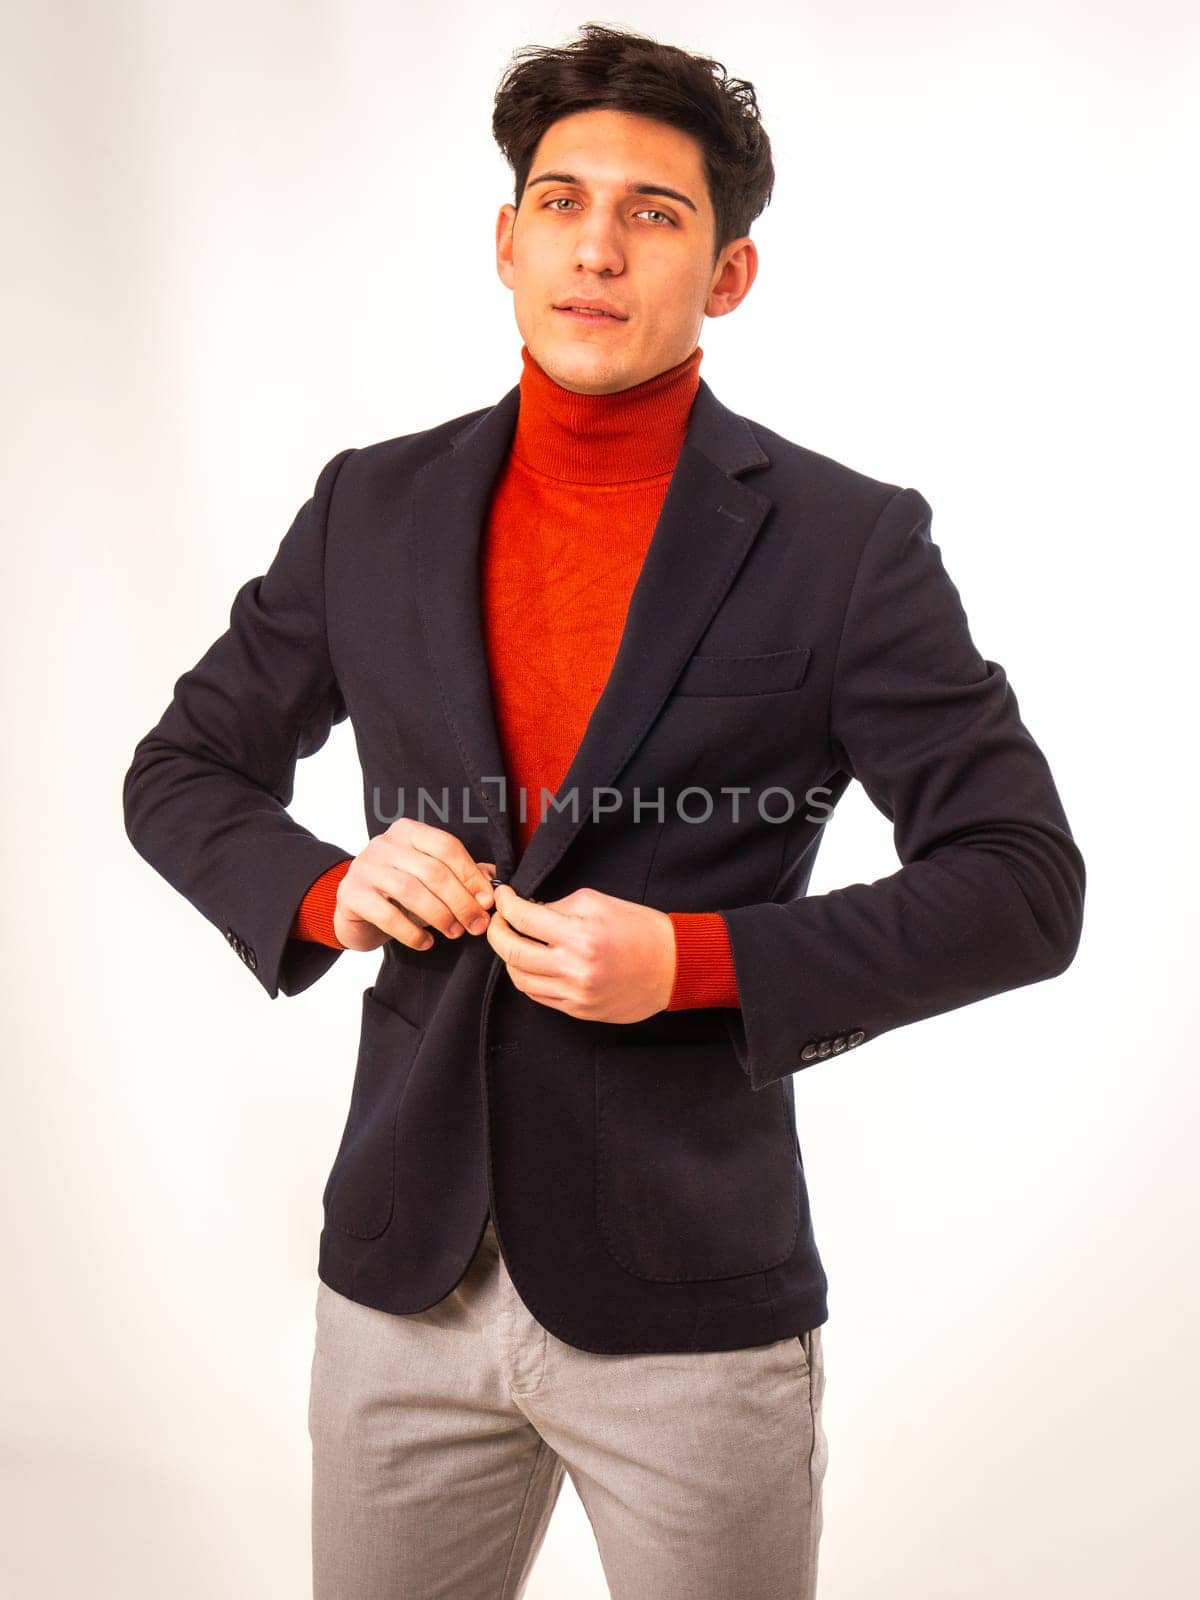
(625, 437)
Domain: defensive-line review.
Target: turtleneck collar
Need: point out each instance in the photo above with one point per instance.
(633, 434)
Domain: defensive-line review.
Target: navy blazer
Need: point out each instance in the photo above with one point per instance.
(792, 627)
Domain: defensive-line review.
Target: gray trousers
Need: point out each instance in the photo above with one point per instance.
(440, 1440)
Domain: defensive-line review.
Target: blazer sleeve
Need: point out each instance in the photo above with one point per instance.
(206, 793)
(990, 893)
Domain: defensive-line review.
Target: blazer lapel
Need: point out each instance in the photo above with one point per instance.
(709, 521)
(448, 513)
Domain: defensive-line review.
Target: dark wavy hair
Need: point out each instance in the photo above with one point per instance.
(617, 70)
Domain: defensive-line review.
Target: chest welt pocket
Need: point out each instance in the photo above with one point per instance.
(360, 1189)
(773, 673)
(697, 1174)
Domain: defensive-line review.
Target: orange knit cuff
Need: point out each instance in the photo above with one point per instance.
(704, 973)
(314, 916)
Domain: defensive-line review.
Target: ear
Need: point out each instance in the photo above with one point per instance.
(731, 283)
(504, 250)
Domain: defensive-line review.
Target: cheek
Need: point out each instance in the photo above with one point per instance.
(681, 309)
(530, 252)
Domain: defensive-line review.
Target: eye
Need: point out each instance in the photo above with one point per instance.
(647, 211)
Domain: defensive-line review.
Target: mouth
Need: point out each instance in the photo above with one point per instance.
(594, 314)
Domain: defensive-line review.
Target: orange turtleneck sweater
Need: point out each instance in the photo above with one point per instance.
(571, 517)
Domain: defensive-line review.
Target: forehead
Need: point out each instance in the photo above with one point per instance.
(615, 147)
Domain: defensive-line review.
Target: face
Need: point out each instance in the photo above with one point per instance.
(579, 232)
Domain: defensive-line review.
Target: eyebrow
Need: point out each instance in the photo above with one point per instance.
(630, 188)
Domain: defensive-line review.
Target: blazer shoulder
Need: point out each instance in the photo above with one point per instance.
(798, 467)
(409, 451)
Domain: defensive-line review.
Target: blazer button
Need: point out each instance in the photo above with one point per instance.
(251, 959)
(809, 1053)
(839, 1043)
(856, 1038)
(825, 1048)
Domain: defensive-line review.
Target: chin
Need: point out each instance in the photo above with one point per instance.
(571, 362)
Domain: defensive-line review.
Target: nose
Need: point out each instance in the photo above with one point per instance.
(597, 245)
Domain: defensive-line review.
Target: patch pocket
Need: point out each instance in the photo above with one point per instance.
(774, 673)
(360, 1190)
(697, 1174)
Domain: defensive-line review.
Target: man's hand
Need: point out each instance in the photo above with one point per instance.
(408, 879)
(589, 954)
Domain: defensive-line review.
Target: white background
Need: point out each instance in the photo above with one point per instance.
(241, 237)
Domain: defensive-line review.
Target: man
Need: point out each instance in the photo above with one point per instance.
(567, 1229)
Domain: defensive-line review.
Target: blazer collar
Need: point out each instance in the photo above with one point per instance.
(708, 522)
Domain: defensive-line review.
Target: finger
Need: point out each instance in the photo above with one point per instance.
(548, 997)
(522, 955)
(488, 869)
(393, 920)
(445, 879)
(531, 917)
(408, 890)
(463, 869)
(426, 886)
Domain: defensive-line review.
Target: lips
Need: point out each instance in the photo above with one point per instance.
(598, 310)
